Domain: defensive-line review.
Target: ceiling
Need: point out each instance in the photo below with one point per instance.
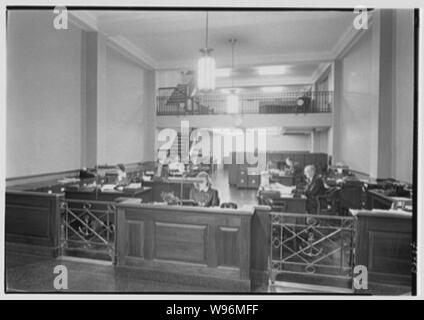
(172, 39)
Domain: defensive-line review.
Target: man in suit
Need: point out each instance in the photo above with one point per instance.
(314, 187)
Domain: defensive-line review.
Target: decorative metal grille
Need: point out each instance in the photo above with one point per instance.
(88, 226)
(172, 101)
(306, 247)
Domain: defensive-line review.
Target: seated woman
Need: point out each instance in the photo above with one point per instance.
(314, 187)
(202, 193)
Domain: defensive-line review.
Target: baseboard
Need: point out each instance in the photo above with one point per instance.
(293, 287)
(32, 249)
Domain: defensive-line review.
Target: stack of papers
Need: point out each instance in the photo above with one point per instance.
(68, 180)
(284, 190)
(133, 186)
(108, 187)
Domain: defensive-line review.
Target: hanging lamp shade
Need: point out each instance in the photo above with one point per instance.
(206, 71)
(206, 66)
(233, 98)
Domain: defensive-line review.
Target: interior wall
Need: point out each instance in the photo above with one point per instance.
(319, 141)
(404, 100)
(43, 129)
(125, 135)
(288, 142)
(374, 133)
(170, 78)
(355, 116)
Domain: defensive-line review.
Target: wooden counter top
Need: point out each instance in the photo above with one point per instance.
(135, 203)
(378, 213)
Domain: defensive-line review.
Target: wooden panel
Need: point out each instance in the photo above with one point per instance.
(389, 252)
(253, 181)
(383, 245)
(31, 221)
(136, 239)
(260, 246)
(227, 244)
(180, 242)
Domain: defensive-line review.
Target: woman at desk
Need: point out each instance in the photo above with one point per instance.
(314, 187)
(202, 192)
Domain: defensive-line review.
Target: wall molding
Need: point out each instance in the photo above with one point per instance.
(87, 22)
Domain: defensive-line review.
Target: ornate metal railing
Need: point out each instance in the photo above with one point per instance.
(309, 248)
(88, 227)
(172, 101)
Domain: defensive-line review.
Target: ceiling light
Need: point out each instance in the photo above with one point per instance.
(232, 99)
(206, 66)
(271, 70)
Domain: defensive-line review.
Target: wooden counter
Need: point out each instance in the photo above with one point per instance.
(32, 222)
(378, 200)
(280, 203)
(180, 188)
(191, 245)
(383, 245)
(144, 193)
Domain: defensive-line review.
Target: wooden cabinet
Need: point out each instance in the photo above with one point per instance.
(204, 246)
(33, 222)
(384, 246)
(242, 180)
(253, 181)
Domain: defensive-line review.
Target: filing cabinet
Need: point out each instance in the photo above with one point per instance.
(242, 180)
(253, 181)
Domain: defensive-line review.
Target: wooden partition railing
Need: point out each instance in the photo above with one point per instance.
(177, 101)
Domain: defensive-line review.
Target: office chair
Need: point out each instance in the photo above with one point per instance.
(329, 203)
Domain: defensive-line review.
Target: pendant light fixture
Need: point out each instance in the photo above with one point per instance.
(206, 65)
(232, 99)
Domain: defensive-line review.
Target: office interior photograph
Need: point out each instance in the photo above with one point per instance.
(198, 151)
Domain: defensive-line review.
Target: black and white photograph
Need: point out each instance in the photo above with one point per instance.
(219, 150)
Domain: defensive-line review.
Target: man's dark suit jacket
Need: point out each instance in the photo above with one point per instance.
(313, 189)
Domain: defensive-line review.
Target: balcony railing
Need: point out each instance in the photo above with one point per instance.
(176, 101)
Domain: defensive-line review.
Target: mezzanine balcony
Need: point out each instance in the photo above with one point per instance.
(176, 101)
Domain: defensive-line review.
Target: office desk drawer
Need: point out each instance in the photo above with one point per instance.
(253, 181)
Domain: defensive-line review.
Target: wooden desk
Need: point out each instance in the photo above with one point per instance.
(384, 246)
(283, 204)
(378, 200)
(181, 190)
(204, 246)
(144, 193)
(287, 180)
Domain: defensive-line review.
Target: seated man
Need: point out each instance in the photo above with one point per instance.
(202, 193)
(314, 187)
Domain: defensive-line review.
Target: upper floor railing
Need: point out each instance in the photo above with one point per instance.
(177, 101)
